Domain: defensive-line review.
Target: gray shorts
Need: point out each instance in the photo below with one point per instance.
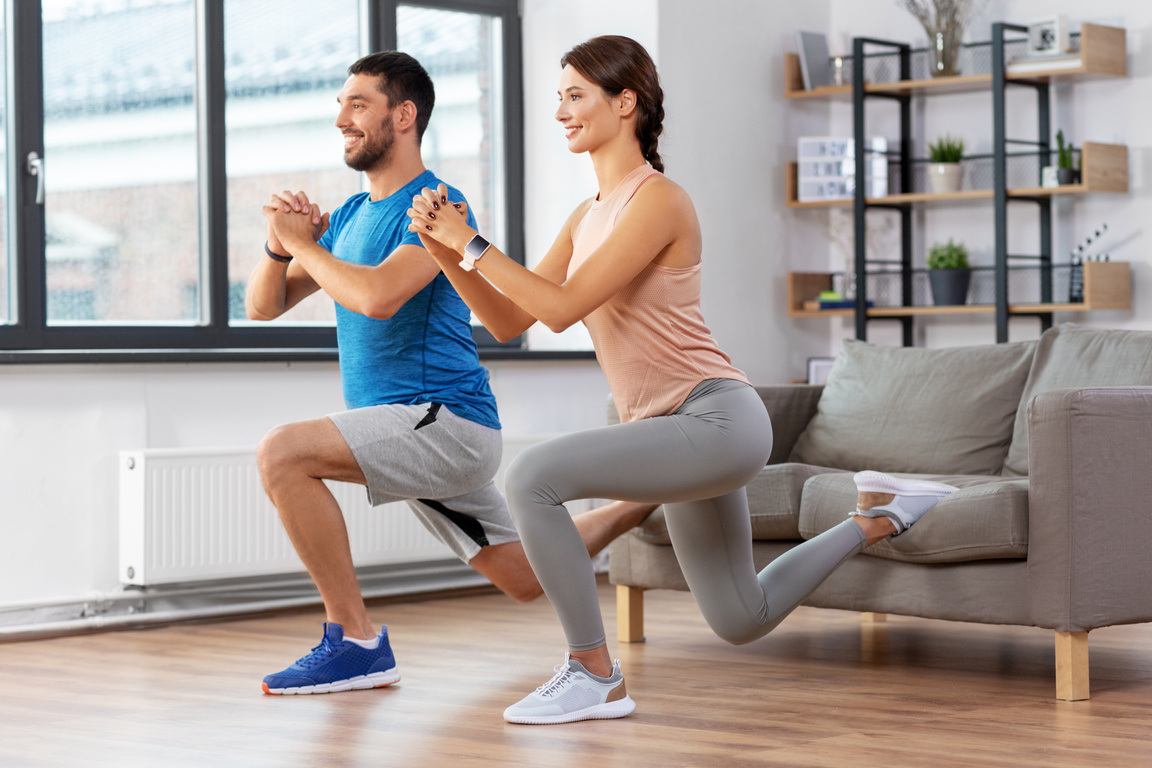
(440, 464)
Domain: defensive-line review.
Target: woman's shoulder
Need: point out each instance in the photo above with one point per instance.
(660, 191)
(657, 185)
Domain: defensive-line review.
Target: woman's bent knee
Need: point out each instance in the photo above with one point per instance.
(739, 635)
(526, 483)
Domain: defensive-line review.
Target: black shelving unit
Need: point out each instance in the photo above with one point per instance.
(903, 54)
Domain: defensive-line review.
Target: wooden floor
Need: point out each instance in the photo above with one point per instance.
(815, 692)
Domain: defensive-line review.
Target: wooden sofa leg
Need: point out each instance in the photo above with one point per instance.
(1072, 666)
(873, 636)
(629, 614)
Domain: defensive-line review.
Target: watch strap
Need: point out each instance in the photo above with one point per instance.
(475, 248)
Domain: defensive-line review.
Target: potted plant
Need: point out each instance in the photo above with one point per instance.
(1066, 172)
(949, 273)
(944, 171)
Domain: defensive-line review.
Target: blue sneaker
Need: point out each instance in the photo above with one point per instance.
(337, 665)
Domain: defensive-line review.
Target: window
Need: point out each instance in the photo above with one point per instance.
(121, 224)
(464, 142)
(6, 286)
(165, 126)
(282, 72)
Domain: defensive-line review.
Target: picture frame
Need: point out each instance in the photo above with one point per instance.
(1049, 36)
(819, 368)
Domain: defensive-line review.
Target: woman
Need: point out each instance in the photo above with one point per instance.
(693, 431)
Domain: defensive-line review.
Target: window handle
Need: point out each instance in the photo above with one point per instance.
(35, 167)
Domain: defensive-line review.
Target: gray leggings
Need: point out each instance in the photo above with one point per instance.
(696, 462)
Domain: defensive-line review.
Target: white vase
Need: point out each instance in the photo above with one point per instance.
(945, 177)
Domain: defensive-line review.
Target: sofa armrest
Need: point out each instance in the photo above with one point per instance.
(790, 407)
(1090, 507)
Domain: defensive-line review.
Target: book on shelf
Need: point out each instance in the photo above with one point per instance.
(1048, 63)
(818, 304)
(814, 59)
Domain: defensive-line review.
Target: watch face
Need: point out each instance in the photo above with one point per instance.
(476, 247)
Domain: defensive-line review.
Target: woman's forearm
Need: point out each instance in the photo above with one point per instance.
(503, 318)
(534, 294)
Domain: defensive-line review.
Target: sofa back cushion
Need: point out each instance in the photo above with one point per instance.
(1072, 356)
(927, 411)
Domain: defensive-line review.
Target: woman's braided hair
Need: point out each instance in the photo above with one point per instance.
(614, 63)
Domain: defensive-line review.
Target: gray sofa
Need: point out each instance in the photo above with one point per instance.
(1050, 443)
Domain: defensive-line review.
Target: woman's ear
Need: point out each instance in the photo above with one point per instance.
(625, 102)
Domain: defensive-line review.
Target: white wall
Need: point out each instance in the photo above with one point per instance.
(556, 180)
(729, 134)
(61, 429)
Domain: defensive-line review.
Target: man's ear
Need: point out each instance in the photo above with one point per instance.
(404, 116)
(625, 102)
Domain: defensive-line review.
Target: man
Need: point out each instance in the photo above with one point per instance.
(422, 424)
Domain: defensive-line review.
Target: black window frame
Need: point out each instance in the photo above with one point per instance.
(30, 338)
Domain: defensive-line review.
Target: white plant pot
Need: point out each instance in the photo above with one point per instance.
(945, 177)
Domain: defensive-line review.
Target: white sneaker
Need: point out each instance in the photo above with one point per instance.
(901, 501)
(574, 694)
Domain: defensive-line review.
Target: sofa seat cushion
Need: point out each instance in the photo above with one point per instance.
(987, 519)
(773, 501)
(1073, 356)
(906, 409)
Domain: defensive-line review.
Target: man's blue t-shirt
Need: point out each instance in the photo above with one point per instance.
(425, 352)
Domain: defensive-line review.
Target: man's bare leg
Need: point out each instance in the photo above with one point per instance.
(506, 565)
(295, 458)
(292, 460)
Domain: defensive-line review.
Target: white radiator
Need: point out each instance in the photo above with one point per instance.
(190, 515)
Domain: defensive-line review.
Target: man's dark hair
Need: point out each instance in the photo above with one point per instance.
(401, 78)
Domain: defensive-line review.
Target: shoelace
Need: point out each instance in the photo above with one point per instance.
(558, 681)
(319, 654)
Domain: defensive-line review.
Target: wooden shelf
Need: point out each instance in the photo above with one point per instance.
(954, 84)
(794, 83)
(1107, 285)
(1103, 168)
(1103, 53)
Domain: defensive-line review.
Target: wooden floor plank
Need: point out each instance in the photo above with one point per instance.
(810, 694)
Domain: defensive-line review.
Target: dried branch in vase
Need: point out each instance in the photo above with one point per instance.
(944, 22)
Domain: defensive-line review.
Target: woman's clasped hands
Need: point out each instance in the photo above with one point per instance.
(433, 222)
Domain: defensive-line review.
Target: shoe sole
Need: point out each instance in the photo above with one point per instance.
(358, 683)
(878, 482)
(608, 711)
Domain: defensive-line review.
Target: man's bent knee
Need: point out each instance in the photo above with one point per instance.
(315, 449)
(272, 454)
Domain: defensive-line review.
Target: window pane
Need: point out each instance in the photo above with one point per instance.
(120, 154)
(5, 254)
(282, 72)
(464, 142)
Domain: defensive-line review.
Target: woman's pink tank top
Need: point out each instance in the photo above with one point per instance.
(650, 337)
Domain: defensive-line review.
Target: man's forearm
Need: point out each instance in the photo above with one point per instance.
(350, 285)
(265, 296)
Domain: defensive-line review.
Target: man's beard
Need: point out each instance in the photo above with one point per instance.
(370, 153)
